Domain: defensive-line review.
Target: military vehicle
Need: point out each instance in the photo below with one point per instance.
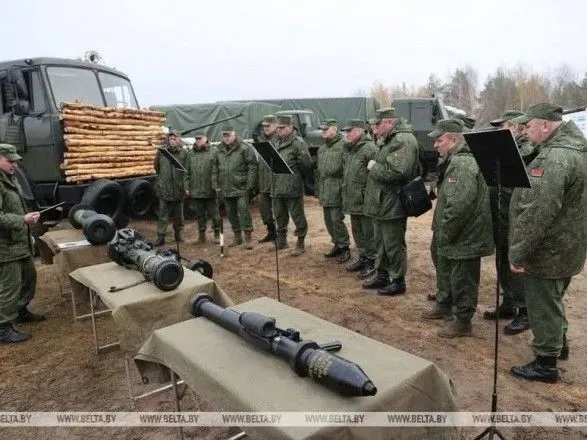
(31, 91)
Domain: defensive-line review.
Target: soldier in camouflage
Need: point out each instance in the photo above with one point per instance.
(512, 305)
(201, 184)
(237, 178)
(395, 164)
(269, 134)
(462, 230)
(359, 150)
(329, 173)
(288, 190)
(547, 235)
(169, 188)
(18, 277)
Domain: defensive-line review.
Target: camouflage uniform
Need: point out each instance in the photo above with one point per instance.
(329, 179)
(355, 159)
(18, 276)
(265, 176)
(288, 190)
(237, 178)
(201, 180)
(462, 233)
(396, 163)
(169, 188)
(547, 235)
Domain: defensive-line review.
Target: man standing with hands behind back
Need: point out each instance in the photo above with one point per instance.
(18, 277)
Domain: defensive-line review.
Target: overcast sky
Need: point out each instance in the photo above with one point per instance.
(204, 51)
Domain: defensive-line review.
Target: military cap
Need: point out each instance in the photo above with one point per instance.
(199, 134)
(269, 119)
(468, 122)
(447, 126)
(508, 115)
(9, 152)
(386, 113)
(283, 120)
(358, 123)
(544, 110)
(327, 123)
(226, 128)
(374, 120)
(174, 132)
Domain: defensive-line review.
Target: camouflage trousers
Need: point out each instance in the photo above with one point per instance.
(461, 278)
(205, 209)
(512, 286)
(442, 282)
(546, 312)
(334, 221)
(237, 211)
(364, 236)
(294, 206)
(266, 208)
(169, 208)
(18, 281)
(392, 252)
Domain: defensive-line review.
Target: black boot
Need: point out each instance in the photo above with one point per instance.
(270, 234)
(177, 235)
(431, 297)
(344, 256)
(519, 324)
(202, 237)
(281, 241)
(9, 335)
(25, 315)
(506, 311)
(357, 265)
(334, 252)
(397, 287)
(565, 350)
(379, 281)
(368, 271)
(300, 247)
(160, 240)
(543, 369)
(216, 236)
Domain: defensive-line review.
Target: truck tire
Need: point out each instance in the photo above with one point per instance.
(106, 197)
(139, 198)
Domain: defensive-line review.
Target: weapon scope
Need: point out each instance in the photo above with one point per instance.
(98, 228)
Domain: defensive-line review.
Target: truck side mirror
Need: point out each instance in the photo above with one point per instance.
(303, 127)
(22, 108)
(17, 78)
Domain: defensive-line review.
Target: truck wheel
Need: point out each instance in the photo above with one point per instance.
(106, 197)
(139, 198)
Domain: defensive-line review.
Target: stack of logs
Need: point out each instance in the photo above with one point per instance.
(107, 142)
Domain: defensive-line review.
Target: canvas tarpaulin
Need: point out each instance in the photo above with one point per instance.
(185, 117)
(138, 311)
(222, 368)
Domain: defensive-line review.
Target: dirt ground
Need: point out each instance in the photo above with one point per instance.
(57, 371)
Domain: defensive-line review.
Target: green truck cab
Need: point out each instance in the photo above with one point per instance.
(31, 91)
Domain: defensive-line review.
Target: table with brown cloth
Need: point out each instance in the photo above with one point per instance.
(69, 259)
(138, 311)
(223, 368)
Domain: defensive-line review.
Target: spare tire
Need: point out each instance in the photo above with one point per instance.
(106, 197)
(139, 198)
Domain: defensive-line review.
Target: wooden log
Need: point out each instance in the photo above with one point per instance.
(81, 105)
(156, 120)
(107, 142)
(74, 131)
(109, 127)
(116, 153)
(104, 148)
(106, 165)
(109, 175)
(104, 121)
(101, 170)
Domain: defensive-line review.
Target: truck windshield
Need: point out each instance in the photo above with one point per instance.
(77, 84)
(71, 84)
(117, 91)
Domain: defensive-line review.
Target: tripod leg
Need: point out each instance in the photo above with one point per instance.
(484, 433)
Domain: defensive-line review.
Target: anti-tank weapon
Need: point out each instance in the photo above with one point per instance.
(98, 228)
(129, 249)
(306, 358)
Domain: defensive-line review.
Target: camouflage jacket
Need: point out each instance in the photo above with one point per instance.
(169, 184)
(355, 160)
(14, 233)
(295, 153)
(264, 171)
(547, 233)
(462, 219)
(329, 171)
(201, 178)
(237, 169)
(396, 164)
(501, 222)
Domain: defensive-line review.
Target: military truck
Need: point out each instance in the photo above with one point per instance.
(31, 91)
(423, 114)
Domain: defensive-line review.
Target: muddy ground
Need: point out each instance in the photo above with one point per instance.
(57, 371)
